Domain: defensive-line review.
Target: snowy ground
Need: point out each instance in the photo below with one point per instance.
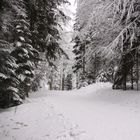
(92, 113)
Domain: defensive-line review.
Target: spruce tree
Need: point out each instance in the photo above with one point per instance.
(25, 55)
(28, 29)
(8, 79)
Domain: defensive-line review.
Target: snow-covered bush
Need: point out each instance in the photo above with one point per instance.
(104, 76)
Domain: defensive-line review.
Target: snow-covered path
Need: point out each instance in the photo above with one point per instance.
(92, 113)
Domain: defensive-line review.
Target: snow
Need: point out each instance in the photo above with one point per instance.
(21, 77)
(3, 76)
(22, 38)
(95, 112)
(18, 44)
(27, 72)
(13, 89)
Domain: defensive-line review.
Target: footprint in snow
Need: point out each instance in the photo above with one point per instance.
(21, 124)
(61, 115)
(75, 134)
(25, 125)
(47, 135)
(15, 128)
(61, 136)
(51, 107)
(6, 133)
(13, 138)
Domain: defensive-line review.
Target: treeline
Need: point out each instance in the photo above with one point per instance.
(28, 35)
(107, 40)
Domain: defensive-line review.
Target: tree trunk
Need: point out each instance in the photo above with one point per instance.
(132, 82)
(63, 81)
(137, 69)
(125, 66)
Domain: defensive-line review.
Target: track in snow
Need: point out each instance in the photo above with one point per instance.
(92, 113)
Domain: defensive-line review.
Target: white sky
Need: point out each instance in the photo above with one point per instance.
(72, 10)
(73, 5)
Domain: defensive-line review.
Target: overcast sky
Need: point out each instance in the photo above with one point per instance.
(73, 5)
(70, 11)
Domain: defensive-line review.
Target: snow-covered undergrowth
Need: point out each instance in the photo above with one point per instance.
(95, 112)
